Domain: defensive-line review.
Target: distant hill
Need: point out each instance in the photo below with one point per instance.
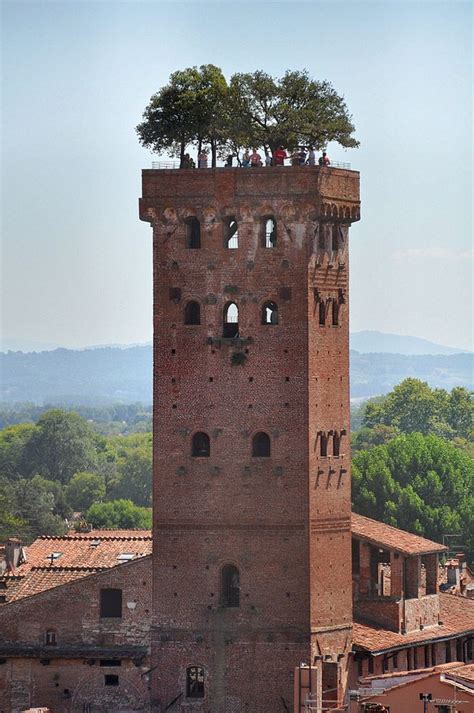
(110, 375)
(369, 341)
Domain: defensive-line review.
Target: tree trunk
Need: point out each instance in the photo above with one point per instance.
(214, 153)
(182, 150)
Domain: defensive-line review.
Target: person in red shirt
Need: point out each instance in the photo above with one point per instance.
(279, 156)
(255, 159)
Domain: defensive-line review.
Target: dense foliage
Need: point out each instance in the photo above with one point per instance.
(199, 108)
(61, 465)
(412, 461)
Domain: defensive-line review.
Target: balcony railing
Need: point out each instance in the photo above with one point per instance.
(220, 164)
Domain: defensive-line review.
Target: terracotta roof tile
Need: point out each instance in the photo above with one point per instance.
(466, 673)
(391, 538)
(457, 615)
(80, 554)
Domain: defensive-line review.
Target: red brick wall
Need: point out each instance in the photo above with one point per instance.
(269, 517)
(73, 611)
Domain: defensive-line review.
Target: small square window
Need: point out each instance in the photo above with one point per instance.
(126, 556)
(111, 679)
(111, 603)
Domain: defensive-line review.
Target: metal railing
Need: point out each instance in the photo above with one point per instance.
(220, 164)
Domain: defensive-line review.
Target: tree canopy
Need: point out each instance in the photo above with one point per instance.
(198, 107)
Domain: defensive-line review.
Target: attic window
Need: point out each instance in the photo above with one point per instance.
(126, 556)
(95, 543)
(54, 556)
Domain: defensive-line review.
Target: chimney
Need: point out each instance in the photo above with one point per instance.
(13, 554)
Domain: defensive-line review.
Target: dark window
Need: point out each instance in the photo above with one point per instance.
(231, 320)
(110, 662)
(322, 312)
(111, 679)
(270, 313)
(335, 244)
(459, 653)
(193, 233)
(371, 664)
(433, 654)
(395, 660)
(231, 238)
(111, 603)
(385, 664)
(323, 444)
(415, 658)
(230, 586)
(195, 682)
(261, 445)
(192, 313)
(270, 232)
(50, 637)
(321, 238)
(201, 447)
(336, 443)
(335, 312)
(427, 656)
(469, 649)
(447, 652)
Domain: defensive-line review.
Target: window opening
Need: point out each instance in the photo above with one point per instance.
(270, 233)
(232, 234)
(336, 443)
(111, 679)
(322, 238)
(261, 445)
(110, 662)
(270, 313)
(54, 556)
(192, 313)
(201, 447)
(447, 649)
(50, 637)
(111, 603)
(335, 312)
(322, 313)
(230, 586)
(195, 682)
(335, 243)
(126, 556)
(323, 444)
(193, 233)
(231, 320)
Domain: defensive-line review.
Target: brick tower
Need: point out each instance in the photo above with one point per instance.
(252, 544)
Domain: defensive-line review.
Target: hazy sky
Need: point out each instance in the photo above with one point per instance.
(76, 76)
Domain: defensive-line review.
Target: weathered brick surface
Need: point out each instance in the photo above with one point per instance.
(284, 521)
(73, 612)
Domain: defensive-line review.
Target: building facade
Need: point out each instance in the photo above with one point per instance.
(251, 420)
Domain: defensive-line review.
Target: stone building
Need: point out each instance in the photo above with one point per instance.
(251, 418)
(75, 622)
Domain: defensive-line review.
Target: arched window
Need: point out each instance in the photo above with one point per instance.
(193, 233)
(323, 443)
(231, 237)
(270, 313)
(50, 638)
(195, 682)
(231, 320)
(335, 242)
(270, 232)
(192, 313)
(261, 445)
(336, 443)
(230, 586)
(201, 447)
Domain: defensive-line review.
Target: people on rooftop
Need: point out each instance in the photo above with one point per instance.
(324, 160)
(255, 159)
(246, 159)
(279, 156)
(202, 159)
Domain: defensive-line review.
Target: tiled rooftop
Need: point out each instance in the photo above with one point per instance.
(456, 613)
(466, 673)
(75, 555)
(391, 538)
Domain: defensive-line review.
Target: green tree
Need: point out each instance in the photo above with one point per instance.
(292, 110)
(135, 477)
(33, 502)
(412, 406)
(119, 514)
(61, 445)
(13, 442)
(84, 489)
(10, 525)
(420, 483)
